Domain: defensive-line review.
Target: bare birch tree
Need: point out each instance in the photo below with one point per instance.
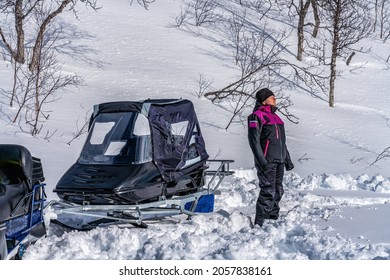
(301, 8)
(384, 19)
(22, 10)
(350, 22)
(258, 55)
(37, 74)
(36, 71)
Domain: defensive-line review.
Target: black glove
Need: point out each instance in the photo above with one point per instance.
(289, 165)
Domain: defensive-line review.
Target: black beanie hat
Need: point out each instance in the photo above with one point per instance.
(263, 94)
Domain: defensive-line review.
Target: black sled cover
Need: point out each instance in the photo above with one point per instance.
(145, 146)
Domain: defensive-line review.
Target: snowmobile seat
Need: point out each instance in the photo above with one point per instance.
(19, 172)
(17, 165)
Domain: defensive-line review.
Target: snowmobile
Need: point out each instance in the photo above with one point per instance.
(141, 160)
(22, 198)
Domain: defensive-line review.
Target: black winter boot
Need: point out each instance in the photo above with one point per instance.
(259, 222)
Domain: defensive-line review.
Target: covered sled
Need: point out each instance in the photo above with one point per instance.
(21, 200)
(141, 160)
(137, 152)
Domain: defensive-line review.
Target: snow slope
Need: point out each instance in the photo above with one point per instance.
(336, 202)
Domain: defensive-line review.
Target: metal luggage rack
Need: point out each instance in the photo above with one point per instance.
(136, 214)
(220, 173)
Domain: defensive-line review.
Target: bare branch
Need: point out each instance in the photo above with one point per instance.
(7, 45)
(143, 3)
(183, 16)
(204, 12)
(203, 84)
(350, 23)
(383, 155)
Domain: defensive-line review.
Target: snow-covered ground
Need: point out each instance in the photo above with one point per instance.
(320, 220)
(336, 204)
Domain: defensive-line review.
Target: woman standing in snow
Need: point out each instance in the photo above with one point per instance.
(267, 140)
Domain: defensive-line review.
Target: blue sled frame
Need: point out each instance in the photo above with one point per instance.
(23, 230)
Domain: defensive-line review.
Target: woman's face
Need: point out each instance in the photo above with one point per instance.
(270, 101)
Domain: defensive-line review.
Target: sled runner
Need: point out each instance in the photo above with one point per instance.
(141, 160)
(86, 217)
(22, 198)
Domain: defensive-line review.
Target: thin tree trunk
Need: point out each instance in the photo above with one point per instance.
(376, 15)
(23, 102)
(316, 18)
(335, 45)
(37, 89)
(36, 53)
(15, 79)
(19, 32)
(300, 37)
(303, 8)
(382, 18)
(332, 81)
(18, 54)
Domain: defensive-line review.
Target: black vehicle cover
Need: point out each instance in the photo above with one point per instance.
(177, 142)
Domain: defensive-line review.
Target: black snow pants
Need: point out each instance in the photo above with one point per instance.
(271, 191)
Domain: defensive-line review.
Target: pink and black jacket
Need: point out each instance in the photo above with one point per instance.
(267, 138)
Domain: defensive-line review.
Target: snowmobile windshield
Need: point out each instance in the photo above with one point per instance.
(118, 138)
